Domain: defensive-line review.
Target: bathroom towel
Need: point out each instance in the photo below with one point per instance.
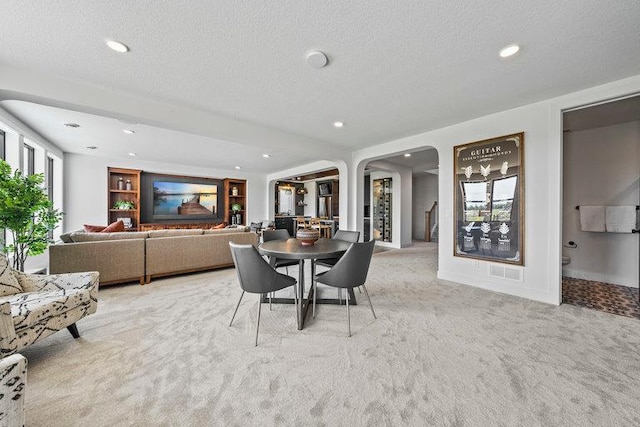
(620, 219)
(592, 218)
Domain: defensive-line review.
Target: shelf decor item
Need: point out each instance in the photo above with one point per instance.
(128, 185)
(236, 207)
(123, 205)
(234, 191)
(120, 183)
(489, 201)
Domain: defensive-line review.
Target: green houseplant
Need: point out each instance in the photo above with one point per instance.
(236, 207)
(123, 205)
(26, 213)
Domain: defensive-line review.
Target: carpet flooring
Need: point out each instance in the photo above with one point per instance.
(439, 354)
(614, 299)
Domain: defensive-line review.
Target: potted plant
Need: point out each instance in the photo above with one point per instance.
(123, 205)
(236, 207)
(26, 213)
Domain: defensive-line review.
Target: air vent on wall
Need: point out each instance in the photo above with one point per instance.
(504, 272)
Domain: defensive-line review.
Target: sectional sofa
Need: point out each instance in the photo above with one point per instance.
(142, 256)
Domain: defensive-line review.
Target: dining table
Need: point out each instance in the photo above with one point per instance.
(293, 249)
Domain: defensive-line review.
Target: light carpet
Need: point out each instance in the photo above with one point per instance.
(438, 354)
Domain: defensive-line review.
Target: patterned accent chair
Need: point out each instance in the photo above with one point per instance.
(34, 306)
(13, 381)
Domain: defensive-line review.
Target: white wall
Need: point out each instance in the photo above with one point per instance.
(601, 167)
(542, 126)
(85, 187)
(425, 192)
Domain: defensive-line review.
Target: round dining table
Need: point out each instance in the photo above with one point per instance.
(293, 249)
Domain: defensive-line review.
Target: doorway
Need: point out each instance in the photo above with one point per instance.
(601, 195)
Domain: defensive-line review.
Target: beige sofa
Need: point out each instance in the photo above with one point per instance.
(141, 256)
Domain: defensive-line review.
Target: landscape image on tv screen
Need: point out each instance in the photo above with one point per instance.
(183, 198)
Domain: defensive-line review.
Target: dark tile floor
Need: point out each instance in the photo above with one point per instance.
(615, 299)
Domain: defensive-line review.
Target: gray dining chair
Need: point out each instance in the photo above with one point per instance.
(349, 272)
(279, 234)
(256, 276)
(347, 236)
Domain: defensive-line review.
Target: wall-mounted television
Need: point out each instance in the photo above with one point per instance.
(180, 198)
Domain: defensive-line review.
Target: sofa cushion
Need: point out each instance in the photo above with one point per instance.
(93, 237)
(8, 282)
(176, 232)
(227, 230)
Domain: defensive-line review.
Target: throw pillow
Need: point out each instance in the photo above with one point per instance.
(111, 228)
(93, 228)
(114, 227)
(8, 282)
(216, 227)
(256, 226)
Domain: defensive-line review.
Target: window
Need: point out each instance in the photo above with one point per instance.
(28, 160)
(50, 178)
(3, 156)
(2, 146)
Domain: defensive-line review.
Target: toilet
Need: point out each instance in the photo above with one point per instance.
(566, 259)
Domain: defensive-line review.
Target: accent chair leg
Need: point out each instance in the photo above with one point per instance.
(236, 310)
(73, 329)
(371, 305)
(258, 324)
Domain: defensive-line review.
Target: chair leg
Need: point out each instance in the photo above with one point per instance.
(314, 286)
(236, 310)
(348, 314)
(371, 305)
(73, 329)
(270, 297)
(258, 324)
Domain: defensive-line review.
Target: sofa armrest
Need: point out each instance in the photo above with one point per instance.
(8, 342)
(13, 382)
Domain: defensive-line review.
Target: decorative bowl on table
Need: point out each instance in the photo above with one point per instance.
(307, 236)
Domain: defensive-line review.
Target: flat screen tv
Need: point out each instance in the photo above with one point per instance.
(184, 200)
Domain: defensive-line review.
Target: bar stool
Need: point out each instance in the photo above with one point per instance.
(325, 229)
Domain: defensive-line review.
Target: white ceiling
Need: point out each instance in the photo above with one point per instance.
(396, 68)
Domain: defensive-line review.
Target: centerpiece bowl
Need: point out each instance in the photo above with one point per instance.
(308, 236)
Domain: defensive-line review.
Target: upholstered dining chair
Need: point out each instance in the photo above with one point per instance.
(349, 272)
(347, 236)
(279, 234)
(256, 276)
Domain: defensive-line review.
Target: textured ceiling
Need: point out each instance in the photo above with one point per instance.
(395, 67)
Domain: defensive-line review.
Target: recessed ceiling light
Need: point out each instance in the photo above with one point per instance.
(509, 50)
(237, 167)
(91, 147)
(338, 124)
(129, 131)
(317, 59)
(133, 154)
(117, 46)
(266, 156)
(407, 154)
(72, 125)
